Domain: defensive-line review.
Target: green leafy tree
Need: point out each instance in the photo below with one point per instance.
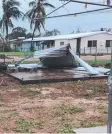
(17, 32)
(52, 33)
(10, 11)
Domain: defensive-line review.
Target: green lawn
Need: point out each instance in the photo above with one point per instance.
(19, 54)
(98, 62)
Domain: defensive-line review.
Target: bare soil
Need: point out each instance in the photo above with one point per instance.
(51, 108)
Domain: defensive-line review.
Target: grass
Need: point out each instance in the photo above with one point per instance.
(98, 62)
(67, 128)
(75, 110)
(91, 124)
(19, 54)
(6, 128)
(24, 126)
(64, 110)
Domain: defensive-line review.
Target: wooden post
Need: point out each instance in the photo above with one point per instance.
(78, 46)
(96, 56)
(90, 50)
(84, 50)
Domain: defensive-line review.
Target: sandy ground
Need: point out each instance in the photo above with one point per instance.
(51, 108)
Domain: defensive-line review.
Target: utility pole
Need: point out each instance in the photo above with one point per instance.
(110, 97)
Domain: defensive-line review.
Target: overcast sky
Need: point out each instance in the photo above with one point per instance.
(88, 22)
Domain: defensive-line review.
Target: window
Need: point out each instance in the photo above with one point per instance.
(92, 43)
(108, 43)
(61, 43)
(89, 43)
(52, 44)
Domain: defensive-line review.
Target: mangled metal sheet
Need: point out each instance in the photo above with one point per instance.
(99, 69)
(87, 67)
(62, 56)
(47, 57)
(56, 57)
(26, 66)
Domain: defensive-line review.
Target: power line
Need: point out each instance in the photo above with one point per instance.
(90, 3)
(72, 14)
(65, 8)
(58, 8)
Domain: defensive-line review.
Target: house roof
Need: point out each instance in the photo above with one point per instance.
(68, 36)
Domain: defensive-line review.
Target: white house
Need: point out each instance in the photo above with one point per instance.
(88, 43)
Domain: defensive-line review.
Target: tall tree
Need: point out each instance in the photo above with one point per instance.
(10, 11)
(17, 32)
(52, 33)
(37, 14)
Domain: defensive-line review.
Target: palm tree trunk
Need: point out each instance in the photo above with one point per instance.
(6, 25)
(32, 44)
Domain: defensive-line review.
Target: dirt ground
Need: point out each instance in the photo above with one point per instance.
(51, 108)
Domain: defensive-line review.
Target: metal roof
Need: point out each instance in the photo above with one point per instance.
(69, 36)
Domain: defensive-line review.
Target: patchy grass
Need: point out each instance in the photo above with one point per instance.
(67, 128)
(52, 107)
(98, 62)
(24, 126)
(6, 128)
(74, 109)
(88, 124)
(18, 54)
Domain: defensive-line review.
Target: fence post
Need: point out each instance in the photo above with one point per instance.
(84, 50)
(90, 50)
(96, 56)
(107, 50)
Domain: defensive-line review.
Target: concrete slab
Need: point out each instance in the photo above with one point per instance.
(53, 75)
(101, 129)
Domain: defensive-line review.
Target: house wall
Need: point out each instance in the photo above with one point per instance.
(101, 44)
(72, 43)
(26, 46)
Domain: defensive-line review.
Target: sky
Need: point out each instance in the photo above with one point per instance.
(66, 25)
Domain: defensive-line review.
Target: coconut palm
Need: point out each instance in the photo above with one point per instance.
(37, 14)
(10, 11)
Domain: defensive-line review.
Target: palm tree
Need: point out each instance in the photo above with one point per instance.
(10, 11)
(37, 14)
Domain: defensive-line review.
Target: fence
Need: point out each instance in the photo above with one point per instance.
(95, 50)
(96, 56)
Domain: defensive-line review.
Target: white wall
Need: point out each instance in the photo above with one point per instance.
(72, 43)
(101, 42)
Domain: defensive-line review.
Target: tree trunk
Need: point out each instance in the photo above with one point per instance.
(6, 25)
(32, 44)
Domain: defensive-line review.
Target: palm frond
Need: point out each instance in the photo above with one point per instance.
(48, 5)
(15, 13)
(32, 3)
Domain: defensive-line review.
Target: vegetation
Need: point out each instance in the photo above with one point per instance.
(17, 32)
(10, 11)
(36, 16)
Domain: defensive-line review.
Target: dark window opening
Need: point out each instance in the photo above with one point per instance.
(108, 43)
(92, 43)
(61, 43)
(89, 43)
